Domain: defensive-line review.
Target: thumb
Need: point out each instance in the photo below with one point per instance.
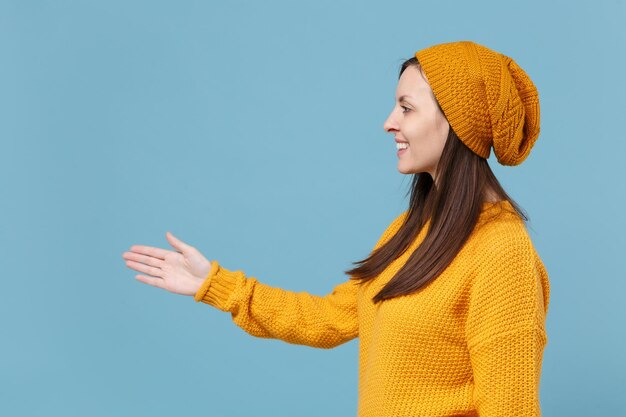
(178, 244)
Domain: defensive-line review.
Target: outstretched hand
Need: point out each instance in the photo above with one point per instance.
(180, 272)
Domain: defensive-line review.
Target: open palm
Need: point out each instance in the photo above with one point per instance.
(180, 272)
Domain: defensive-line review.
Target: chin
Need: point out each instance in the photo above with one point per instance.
(408, 170)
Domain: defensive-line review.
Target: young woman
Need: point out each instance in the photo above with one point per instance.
(450, 305)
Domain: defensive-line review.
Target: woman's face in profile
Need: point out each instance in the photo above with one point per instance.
(417, 120)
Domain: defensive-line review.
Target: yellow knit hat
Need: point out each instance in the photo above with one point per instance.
(486, 97)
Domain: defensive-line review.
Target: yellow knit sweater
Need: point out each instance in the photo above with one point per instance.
(470, 343)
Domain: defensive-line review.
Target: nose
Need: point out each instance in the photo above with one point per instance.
(390, 124)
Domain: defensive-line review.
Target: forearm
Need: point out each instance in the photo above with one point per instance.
(270, 312)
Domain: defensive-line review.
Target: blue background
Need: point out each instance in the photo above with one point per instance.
(253, 131)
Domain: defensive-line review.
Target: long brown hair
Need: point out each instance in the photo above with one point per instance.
(453, 206)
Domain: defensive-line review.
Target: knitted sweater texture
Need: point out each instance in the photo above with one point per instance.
(469, 343)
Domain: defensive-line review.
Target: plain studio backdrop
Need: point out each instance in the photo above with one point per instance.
(253, 131)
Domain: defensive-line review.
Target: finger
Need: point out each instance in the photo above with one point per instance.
(150, 251)
(157, 272)
(177, 243)
(147, 260)
(155, 282)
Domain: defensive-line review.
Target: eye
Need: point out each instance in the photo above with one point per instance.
(405, 108)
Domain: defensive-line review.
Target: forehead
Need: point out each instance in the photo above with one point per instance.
(412, 85)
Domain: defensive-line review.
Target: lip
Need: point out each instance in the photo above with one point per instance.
(401, 141)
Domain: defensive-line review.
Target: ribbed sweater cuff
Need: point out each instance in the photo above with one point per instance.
(217, 287)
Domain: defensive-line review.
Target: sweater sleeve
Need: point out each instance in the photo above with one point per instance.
(506, 329)
(294, 317)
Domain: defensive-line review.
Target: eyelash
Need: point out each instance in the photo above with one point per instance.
(405, 108)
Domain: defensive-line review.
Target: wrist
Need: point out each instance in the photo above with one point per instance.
(201, 284)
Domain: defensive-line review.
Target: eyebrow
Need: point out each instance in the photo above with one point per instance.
(404, 97)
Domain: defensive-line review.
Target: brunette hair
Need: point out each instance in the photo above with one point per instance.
(453, 207)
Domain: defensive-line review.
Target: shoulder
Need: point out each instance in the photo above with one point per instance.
(506, 269)
(502, 239)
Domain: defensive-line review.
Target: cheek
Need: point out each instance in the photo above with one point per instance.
(423, 137)
(417, 134)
